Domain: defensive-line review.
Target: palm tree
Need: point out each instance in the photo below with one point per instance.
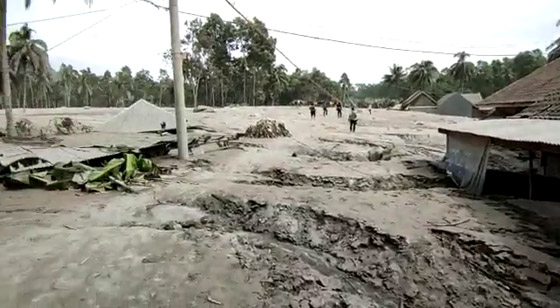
(68, 77)
(395, 78)
(278, 81)
(4, 67)
(554, 48)
(423, 75)
(27, 56)
(345, 84)
(462, 70)
(85, 87)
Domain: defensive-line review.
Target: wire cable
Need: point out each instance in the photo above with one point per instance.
(89, 27)
(56, 18)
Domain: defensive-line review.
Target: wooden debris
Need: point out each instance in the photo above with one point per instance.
(454, 224)
(267, 129)
(213, 301)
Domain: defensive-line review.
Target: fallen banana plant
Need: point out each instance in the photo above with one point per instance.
(116, 174)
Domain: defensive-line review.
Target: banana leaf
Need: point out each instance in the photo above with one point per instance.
(130, 166)
(144, 164)
(112, 168)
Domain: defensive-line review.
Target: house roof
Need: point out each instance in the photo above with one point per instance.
(547, 109)
(519, 130)
(141, 116)
(527, 90)
(407, 102)
(472, 98)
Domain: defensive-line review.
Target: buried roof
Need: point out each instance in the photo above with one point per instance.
(547, 109)
(141, 116)
(517, 130)
(413, 99)
(527, 90)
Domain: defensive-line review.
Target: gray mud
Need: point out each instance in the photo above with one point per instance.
(308, 258)
(280, 177)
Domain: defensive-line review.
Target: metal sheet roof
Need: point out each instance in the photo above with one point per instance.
(520, 130)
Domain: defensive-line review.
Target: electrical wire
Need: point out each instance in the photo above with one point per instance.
(56, 18)
(338, 41)
(90, 26)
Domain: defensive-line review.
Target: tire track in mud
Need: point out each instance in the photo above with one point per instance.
(282, 178)
(308, 258)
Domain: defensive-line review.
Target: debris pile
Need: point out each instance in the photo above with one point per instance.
(202, 108)
(24, 128)
(267, 129)
(116, 174)
(67, 126)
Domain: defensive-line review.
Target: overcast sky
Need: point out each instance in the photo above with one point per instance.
(138, 34)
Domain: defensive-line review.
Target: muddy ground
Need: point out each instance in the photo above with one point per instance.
(323, 219)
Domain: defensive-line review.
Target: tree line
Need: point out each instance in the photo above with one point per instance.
(235, 63)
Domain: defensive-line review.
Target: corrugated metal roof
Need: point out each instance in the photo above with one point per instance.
(521, 130)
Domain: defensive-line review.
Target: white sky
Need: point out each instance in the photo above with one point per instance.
(138, 34)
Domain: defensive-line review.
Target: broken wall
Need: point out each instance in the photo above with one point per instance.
(466, 159)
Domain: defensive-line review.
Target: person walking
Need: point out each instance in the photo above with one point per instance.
(353, 119)
(325, 108)
(369, 108)
(339, 109)
(312, 110)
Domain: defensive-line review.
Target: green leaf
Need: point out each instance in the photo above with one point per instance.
(145, 165)
(130, 167)
(111, 168)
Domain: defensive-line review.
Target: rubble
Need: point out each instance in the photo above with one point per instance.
(267, 129)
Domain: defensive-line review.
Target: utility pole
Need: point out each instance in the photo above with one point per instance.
(178, 82)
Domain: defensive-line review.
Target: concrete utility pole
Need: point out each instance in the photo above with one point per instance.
(178, 82)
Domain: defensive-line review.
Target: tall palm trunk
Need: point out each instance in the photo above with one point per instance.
(24, 99)
(244, 87)
(5, 72)
(160, 95)
(33, 103)
(254, 88)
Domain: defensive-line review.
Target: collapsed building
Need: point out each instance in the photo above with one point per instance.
(532, 143)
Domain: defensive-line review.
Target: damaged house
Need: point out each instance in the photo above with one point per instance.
(475, 162)
(524, 92)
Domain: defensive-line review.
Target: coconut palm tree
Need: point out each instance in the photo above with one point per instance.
(85, 87)
(462, 70)
(27, 57)
(4, 67)
(396, 79)
(345, 84)
(68, 77)
(423, 75)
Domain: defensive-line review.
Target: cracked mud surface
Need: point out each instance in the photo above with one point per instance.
(265, 228)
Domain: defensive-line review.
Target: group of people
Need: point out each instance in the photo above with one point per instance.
(352, 117)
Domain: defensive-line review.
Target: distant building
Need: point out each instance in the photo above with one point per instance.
(457, 104)
(524, 92)
(419, 101)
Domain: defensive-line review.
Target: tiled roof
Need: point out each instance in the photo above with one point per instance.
(527, 90)
(547, 109)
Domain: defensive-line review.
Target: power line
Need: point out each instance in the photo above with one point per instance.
(56, 18)
(89, 27)
(332, 40)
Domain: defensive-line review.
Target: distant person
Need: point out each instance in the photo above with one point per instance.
(312, 110)
(339, 109)
(353, 119)
(369, 108)
(325, 108)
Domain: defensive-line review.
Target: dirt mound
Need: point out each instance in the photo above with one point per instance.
(267, 129)
(141, 116)
(308, 258)
(280, 177)
(67, 126)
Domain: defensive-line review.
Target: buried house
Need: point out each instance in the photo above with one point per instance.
(460, 104)
(533, 143)
(139, 117)
(419, 101)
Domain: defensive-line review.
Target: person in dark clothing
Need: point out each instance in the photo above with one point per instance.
(353, 119)
(312, 110)
(339, 109)
(325, 108)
